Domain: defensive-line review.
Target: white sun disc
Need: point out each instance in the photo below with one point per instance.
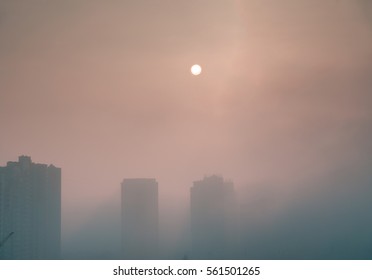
(196, 69)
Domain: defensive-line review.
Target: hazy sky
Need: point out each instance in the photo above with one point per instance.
(103, 90)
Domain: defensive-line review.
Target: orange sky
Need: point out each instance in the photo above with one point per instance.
(103, 90)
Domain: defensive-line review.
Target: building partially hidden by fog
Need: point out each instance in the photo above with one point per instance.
(140, 218)
(213, 211)
(30, 210)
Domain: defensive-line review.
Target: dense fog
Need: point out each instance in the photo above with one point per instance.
(282, 110)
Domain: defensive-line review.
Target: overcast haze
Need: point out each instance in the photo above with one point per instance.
(103, 90)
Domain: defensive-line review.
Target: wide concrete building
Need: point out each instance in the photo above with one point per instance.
(213, 219)
(30, 209)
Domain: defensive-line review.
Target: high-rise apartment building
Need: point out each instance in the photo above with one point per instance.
(140, 217)
(30, 208)
(213, 211)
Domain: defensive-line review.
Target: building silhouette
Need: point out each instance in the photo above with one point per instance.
(140, 217)
(30, 207)
(213, 211)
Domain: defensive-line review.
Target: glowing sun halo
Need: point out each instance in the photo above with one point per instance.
(196, 69)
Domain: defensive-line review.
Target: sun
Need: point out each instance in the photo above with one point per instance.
(196, 69)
